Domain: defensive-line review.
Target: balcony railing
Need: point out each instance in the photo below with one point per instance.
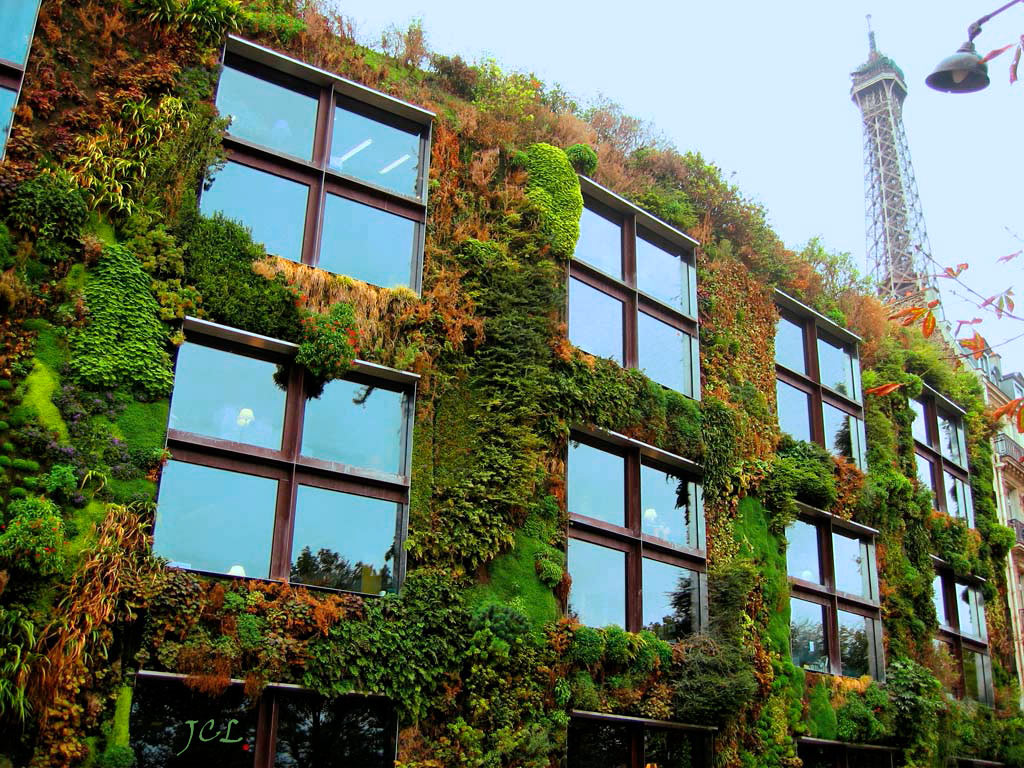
(1018, 528)
(1008, 448)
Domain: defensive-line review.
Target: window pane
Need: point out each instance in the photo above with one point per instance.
(314, 732)
(974, 676)
(231, 397)
(664, 514)
(671, 600)
(663, 275)
(366, 243)
(600, 243)
(957, 499)
(664, 354)
(807, 635)
(273, 207)
(850, 556)
(18, 17)
(672, 749)
(356, 424)
(855, 636)
(842, 434)
(175, 727)
(835, 364)
(343, 541)
(925, 474)
(7, 100)
(266, 113)
(597, 485)
(802, 556)
(968, 601)
(919, 428)
(598, 594)
(214, 520)
(789, 346)
(597, 745)
(794, 411)
(818, 756)
(938, 600)
(595, 321)
(375, 152)
(950, 438)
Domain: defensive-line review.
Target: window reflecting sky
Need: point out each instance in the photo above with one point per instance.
(670, 600)
(802, 555)
(596, 484)
(854, 644)
(598, 594)
(661, 516)
(595, 321)
(664, 354)
(366, 243)
(807, 635)
(789, 345)
(662, 275)
(18, 17)
(850, 558)
(835, 364)
(600, 243)
(355, 424)
(375, 152)
(7, 99)
(266, 113)
(919, 428)
(794, 411)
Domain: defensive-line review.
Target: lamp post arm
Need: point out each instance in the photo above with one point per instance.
(975, 29)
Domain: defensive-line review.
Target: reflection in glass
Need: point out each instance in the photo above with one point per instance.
(789, 345)
(228, 396)
(343, 541)
(597, 486)
(807, 635)
(919, 427)
(272, 207)
(266, 113)
(973, 684)
(664, 354)
(595, 321)
(7, 100)
(794, 411)
(959, 502)
(214, 520)
(375, 152)
(670, 599)
(167, 720)
(600, 243)
(346, 732)
(802, 556)
(19, 18)
(925, 475)
(672, 749)
(950, 438)
(854, 643)
(970, 610)
(836, 366)
(356, 424)
(850, 556)
(663, 275)
(598, 594)
(594, 744)
(842, 433)
(669, 507)
(366, 243)
(939, 601)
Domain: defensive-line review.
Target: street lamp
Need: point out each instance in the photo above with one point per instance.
(965, 71)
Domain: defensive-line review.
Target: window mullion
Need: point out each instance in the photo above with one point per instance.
(266, 731)
(631, 324)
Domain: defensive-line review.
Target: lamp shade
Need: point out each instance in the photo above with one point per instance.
(963, 72)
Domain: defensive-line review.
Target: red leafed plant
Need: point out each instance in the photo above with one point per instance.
(329, 342)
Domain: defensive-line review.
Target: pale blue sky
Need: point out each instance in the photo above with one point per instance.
(762, 90)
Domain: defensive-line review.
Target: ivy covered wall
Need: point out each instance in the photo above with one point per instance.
(104, 252)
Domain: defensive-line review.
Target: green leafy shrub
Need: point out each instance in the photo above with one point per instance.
(505, 622)
(864, 718)
(329, 342)
(25, 465)
(583, 158)
(51, 208)
(61, 480)
(549, 569)
(7, 248)
(555, 190)
(33, 537)
(117, 756)
(916, 697)
(587, 646)
(617, 646)
(821, 717)
(124, 342)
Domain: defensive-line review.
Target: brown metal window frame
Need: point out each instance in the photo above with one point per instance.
(933, 402)
(287, 465)
(814, 326)
(951, 634)
(634, 222)
(316, 174)
(637, 727)
(267, 708)
(827, 596)
(12, 76)
(840, 752)
(629, 538)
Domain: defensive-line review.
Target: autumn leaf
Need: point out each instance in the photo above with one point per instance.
(996, 53)
(928, 326)
(976, 344)
(953, 272)
(883, 389)
(1015, 62)
(961, 323)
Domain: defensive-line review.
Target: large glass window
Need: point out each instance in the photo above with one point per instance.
(818, 389)
(636, 559)
(940, 450)
(608, 743)
(632, 292)
(17, 22)
(173, 726)
(833, 580)
(961, 614)
(268, 481)
(339, 187)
